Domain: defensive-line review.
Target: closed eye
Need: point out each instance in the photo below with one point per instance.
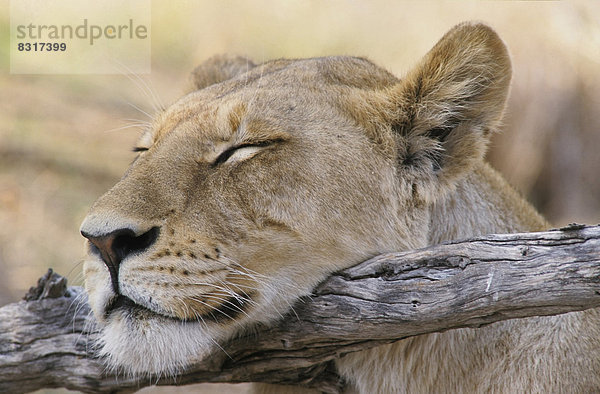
(240, 152)
(139, 149)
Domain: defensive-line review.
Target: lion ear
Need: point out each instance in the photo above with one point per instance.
(446, 107)
(218, 69)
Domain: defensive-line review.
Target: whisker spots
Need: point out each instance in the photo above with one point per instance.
(163, 253)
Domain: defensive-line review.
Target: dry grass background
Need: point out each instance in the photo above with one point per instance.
(61, 147)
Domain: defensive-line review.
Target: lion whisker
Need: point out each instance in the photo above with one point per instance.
(211, 308)
(143, 86)
(224, 301)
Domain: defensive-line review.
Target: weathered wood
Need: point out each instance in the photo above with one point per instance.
(48, 342)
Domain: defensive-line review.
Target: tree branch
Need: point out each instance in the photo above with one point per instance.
(47, 342)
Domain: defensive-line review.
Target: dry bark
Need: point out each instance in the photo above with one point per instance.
(47, 341)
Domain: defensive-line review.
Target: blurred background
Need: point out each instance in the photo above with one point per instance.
(65, 139)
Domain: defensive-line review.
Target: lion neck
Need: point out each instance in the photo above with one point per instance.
(482, 203)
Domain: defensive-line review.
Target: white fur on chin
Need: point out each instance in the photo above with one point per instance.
(153, 347)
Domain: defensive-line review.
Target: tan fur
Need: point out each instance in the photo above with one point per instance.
(336, 161)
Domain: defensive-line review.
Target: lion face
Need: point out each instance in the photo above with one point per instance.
(250, 191)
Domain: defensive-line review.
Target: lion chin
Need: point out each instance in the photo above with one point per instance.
(139, 341)
(158, 346)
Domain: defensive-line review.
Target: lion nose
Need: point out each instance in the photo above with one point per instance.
(115, 246)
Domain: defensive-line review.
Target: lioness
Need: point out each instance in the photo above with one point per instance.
(251, 189)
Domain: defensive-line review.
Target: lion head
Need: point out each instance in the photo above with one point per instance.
(251, 189)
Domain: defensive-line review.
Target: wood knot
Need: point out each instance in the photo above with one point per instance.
(51, 285)
(572, 227)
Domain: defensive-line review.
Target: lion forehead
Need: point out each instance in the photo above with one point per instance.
(277, 95)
